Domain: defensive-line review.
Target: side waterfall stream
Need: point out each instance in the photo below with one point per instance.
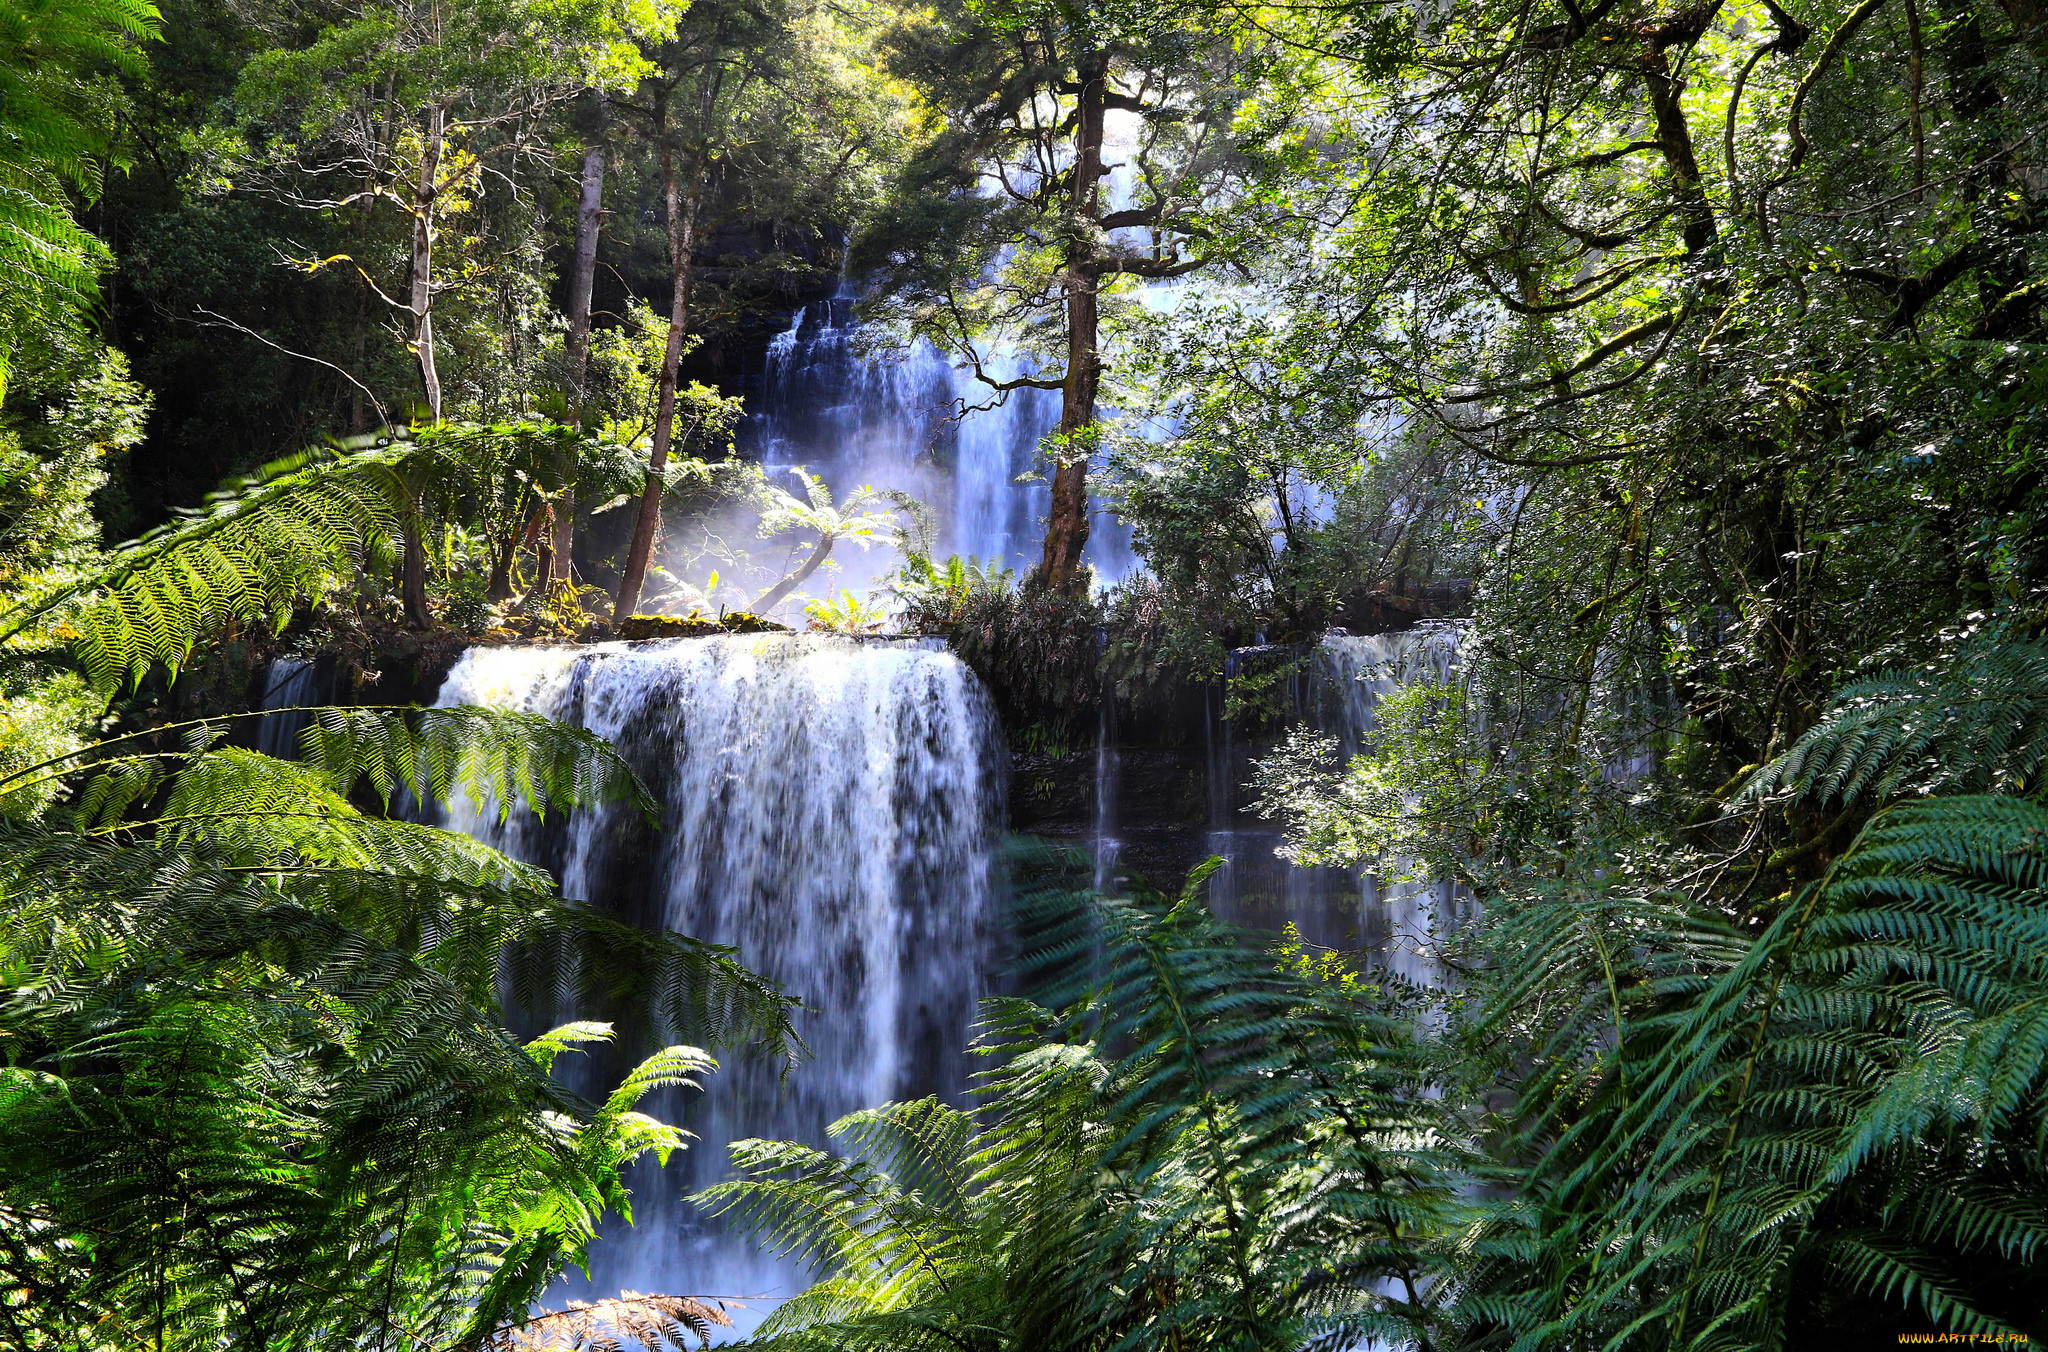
(830, 808)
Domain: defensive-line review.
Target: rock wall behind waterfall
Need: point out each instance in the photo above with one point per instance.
(828, 810)
(1158, 800)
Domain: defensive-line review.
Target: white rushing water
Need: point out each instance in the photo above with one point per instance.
(828, 811)
(292, 686)
(891, 419)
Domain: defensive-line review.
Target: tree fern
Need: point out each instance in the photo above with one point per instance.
(1848, 1104)
(285, 1168)
(53, 126)
(258, 547)
(1977, 723)
(276, 539)
(262, 1088)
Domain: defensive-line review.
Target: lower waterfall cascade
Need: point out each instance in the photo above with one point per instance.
(830, 810)
(291, 689)
(1400, 920)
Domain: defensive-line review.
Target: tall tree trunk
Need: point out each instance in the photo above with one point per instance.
(358, 411)
(682, 230)
(423, 258)
(1066, 531)
(582, 278)
(2000, 193)
(413, 581)
(412, 575)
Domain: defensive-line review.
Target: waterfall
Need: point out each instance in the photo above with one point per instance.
(1351, 672)
(1400, 920)
(828, 810)
(824, 400)
(292, 685)
(1337, 691)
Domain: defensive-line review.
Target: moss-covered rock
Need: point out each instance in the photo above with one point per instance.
(695, 625)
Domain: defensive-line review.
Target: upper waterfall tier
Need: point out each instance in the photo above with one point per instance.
(855, 414)
(828, 810)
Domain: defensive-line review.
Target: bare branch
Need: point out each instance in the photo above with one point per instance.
(223, 322)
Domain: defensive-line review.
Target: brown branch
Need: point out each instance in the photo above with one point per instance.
(1622, 341)
(1827, 56)
(1728, 127)
(1152, 267)
(1598, 159)
(1577, 295)
(1910, 295)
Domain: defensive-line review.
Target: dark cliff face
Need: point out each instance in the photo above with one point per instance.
(1156, 811)
(1157, 799)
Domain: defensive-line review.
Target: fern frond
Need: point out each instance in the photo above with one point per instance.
(503, 758)
(1844, 1092)
(257, 548)
(1975, 724)
(1249, 1159)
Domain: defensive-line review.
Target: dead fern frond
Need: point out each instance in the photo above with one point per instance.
(627, 1320)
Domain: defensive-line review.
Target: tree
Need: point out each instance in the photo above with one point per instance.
(415, 109)
(815, 511)
(1008, 222)
(1273, 498)
(748, 101)
(582, 279)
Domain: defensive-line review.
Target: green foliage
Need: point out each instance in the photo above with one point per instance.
(852, 519)
(53, 140)
(301, 528)
(1838, 1113)
(1707, 343)
(80, 419)
(1276, 505)
(206, 1161)
(846, 614)
(1969, 723)
(467, 605)
(259, 1085)
(44, 716)
(1036, 649)
(1205, 1148)
(961, 267)
(1419, 791)
(259, 547)
(622, 391)
(935, 597)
